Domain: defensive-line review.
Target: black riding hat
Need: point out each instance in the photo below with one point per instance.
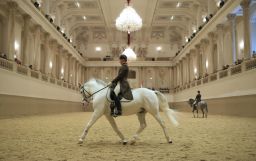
(122, 56)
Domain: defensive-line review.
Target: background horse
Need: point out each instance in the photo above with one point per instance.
(202, 105)
(145, 100)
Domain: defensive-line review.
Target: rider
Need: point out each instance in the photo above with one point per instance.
(197, 99)
(125, 90)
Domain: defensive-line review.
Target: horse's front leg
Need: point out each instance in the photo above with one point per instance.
(141, 118)
(194, 113)
(95, 116)
(197, 112)
(115, 128)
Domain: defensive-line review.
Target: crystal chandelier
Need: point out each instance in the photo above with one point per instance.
(128, 19)
(130, 53)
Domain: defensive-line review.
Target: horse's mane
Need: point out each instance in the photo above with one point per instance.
(99, 81)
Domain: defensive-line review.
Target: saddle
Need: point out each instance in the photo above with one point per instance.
(115, 106)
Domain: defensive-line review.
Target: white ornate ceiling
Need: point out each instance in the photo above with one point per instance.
(165, 24)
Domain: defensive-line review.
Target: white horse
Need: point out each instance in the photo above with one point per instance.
(145, 100)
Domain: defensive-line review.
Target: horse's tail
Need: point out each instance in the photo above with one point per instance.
(163, 104)
(206, 107)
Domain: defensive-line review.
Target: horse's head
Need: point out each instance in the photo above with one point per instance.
(88, 89)
(191, 101)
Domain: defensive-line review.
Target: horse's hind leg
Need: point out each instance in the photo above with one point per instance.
(94, 118)
(161, 122)
(141, 118)
(115, 128)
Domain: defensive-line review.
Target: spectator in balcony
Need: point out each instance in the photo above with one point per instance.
(17, 61)
(3, 55)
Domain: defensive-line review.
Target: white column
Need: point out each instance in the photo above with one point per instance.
(194, 64)
(246, 20)
(25, 39)
(171, 77)
(175, 75)
(232, 55)
(53, 58)
(37, 48)
(47, 53)
(191, 66)
(204, 44)
(220, 46)
(181, 72)
(184, 70)
(73, 70)
(197, 61)
(178, 74)
(210, 53)
(188, 67)
(12, 6)
(69, 68)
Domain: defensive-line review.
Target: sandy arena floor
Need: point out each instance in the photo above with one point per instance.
(54, 137)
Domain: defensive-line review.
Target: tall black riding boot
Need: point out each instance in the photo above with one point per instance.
(112, 108)
(118, 107)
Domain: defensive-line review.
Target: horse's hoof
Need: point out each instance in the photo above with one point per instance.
(132, 142)
(80, 141)
(170, 142)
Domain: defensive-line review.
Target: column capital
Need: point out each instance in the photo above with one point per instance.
(60, 47)
(245, 4)
(197, 46)
(12, 5)
(47, 36)
(231, 17)
(192, 51)
(37, 28)
(26, 17)
(195, 6)
(220, 27)
(211, 35)
(204, 42)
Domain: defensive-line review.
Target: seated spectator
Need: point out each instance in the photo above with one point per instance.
(30, 66)
(17, 61)
(3, 55)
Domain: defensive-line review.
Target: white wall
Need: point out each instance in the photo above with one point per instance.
(19, 85)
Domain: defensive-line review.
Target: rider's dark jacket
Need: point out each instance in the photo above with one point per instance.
(125, 90)
(198, 97)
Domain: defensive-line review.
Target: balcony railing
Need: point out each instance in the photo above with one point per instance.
(223, 74)
(233, 70)
(20, 69)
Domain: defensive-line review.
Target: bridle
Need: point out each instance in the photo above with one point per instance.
(89, 98)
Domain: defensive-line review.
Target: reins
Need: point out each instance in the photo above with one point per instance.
(90, 95)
